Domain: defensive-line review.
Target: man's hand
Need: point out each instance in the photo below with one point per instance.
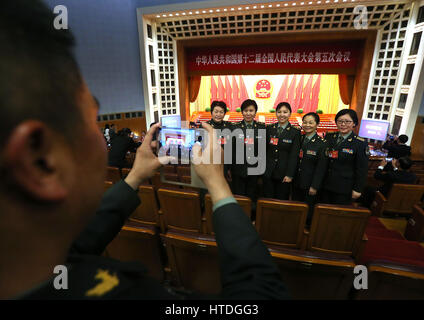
(355, 195)
(312, 191)
(287, 179)
(212, 174)
(146, 162)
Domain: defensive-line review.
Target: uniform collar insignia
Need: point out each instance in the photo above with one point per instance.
(107, 283)
(350, 139)
(313, 140)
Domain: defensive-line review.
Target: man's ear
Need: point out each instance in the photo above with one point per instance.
(32, 162)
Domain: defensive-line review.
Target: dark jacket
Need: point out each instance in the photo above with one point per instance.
(312, 164)
(120, 145)
(250, 146)
(348, 164)
(391, 177)
(247, 269)
(281, 158)
(397, 150)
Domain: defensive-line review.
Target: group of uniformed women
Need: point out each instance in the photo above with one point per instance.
(331, 170)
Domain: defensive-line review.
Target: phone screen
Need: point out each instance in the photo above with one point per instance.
(389, 159)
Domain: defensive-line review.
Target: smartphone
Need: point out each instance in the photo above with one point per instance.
(178, 143)
(389, 159)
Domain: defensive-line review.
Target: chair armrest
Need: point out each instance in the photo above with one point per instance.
(305, 239)
(377, 207)
(361, 248)
(161, 221)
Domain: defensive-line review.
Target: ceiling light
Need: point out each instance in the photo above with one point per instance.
(302, 3)
(177, 14)
(270, 6)
(225, 9)
(217, 10)
(232, 9)
(203, 11)
(184, 13)
(278, 5)
(336, 1)
(170, 14)
(190, 12)
(197, 12)
(254, 7)
(239, 8)
(262, 7)
(294, 3)
(157, 16)
(164, 15)
(286, 4)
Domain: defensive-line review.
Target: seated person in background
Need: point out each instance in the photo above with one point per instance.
(401, 174)
(120, 145)
(51, 186)
(397, 147)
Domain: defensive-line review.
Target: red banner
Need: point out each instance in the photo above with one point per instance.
(329, 56)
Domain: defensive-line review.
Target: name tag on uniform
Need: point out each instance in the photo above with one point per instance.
(301, 154)
(222, 140)
(248, 140)
(274, 141)
(334, 154)
(311, 152)
(287, 141)
(345, 150)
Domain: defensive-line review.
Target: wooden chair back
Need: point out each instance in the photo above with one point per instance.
(314, 275)
(113, 174)
(139, 243)
(244, 202)
(338, 229)
(402, 197)
(183, 171)
(124, 172)
(147, 212)
(107, 185)
(181, 210)
(158, 183)
(391, 281)
(194, 262)
(280, 222)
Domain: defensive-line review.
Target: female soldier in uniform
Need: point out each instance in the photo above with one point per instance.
(243, 183)
(283, 143)
(348, 161)
(312, 163)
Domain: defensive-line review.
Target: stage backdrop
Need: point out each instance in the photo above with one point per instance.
(307, 92)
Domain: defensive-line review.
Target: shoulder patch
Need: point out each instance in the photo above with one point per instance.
(359, 138)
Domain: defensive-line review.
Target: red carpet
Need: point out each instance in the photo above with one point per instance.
(376, 229)
(400, 251)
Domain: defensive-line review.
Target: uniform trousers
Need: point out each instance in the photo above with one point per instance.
(336, 198)
(276, 188)
(304, 196)
(245, 186)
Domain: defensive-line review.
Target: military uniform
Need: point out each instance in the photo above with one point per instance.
(311, 169)
(242, 183)
(347, 167)
(281, 159)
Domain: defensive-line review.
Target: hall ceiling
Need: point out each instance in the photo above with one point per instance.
(275, 17)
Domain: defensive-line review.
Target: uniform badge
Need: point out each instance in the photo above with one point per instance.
(333, 154)
(345, 150)
(301, 154)
(287, 141)
(273, 141)
(311, 152)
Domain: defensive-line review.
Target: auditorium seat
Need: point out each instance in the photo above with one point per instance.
(420, 178)
(400, 200)
(281, 222)
(194, 262)
(183, 171)
(124, 172)
(113, 174)
(169, 169)
(147, 213)
(107, 185)
(244, 202)
(158, 183)
(142, 244)
(314, 275)
(338, 229)
(415, 228)
(181, 210)
(187, 179)
(391, 281)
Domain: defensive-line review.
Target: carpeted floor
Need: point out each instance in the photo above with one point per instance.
(398, 225)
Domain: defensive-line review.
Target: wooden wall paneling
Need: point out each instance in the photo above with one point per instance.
(417, 141)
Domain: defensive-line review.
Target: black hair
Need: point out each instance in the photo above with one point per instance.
(313, 114)
(39, 77)
(107, 126)
(221, 104)
(350, 112)
(247, 103)
(405, 163)
(283, 104)
(403, 138)
(124, 132)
